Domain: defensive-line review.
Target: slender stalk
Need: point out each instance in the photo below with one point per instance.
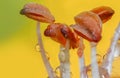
(94, 65)
(107, 62)
(83, 72)
(117, 50)
(65, 61)
(103, 73)
(42, 51)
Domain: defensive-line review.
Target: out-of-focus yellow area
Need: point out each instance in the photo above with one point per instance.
(18, 55)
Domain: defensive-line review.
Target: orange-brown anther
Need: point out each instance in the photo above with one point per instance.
(104, 12)
(59, 32)
(88, 26)
(54, 31)
(37, 12)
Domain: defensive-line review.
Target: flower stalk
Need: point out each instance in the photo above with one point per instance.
(83, 72)
(50, 71)
(94, 64)
(107, 62)
(64, 58)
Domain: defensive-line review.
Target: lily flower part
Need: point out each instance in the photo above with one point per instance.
(104, 12)
(88, 25)
(59, 32)
(37, 12)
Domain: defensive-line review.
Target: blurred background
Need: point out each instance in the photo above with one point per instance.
(18, 55)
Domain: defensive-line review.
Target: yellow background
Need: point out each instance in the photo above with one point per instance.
(18, 55)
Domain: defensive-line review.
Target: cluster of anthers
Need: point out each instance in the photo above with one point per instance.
(88, 25)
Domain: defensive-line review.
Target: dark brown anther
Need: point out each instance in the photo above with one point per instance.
(66, 31)
(104, 12)
(54, 31)
(72, 36)
(59, 32)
